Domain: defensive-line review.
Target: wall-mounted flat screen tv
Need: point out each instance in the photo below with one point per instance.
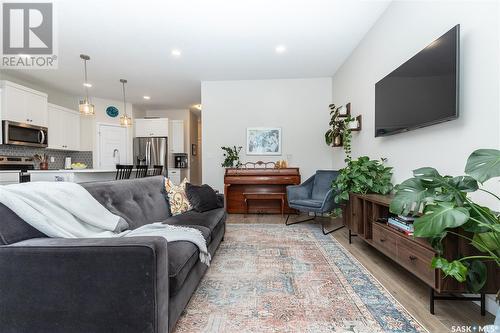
(421, 92)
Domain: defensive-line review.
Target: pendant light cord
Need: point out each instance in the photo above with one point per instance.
(86, 82)
(124, 102)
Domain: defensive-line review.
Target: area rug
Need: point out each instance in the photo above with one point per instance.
(276, 278)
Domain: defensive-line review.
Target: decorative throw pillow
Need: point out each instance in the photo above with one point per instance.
(202, 198)
(177, 198)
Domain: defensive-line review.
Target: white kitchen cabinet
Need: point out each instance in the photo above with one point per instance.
(177, 137)
(177, 175)
(64, 128)
(153, 127)
(23, 105)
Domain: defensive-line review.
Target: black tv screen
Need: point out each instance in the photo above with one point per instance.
(421, 92)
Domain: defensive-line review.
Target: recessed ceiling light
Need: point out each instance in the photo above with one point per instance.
(176, 52)
(280, 49)
(146, 97)
(88, 85)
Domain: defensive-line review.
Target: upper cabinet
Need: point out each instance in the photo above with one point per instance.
(64, 128)
(177, 136)
(23, 105)
(154, 127)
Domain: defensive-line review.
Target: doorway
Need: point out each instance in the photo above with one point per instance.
(112, 145)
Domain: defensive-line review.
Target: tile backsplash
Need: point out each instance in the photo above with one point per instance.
(59, 155)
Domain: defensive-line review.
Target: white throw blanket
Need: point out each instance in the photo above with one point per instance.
(67, 210)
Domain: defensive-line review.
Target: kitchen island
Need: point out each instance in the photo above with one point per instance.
(72, 175)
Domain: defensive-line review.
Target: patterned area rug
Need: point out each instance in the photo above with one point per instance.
(276, 278)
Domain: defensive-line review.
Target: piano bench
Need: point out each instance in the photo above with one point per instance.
(265, 196)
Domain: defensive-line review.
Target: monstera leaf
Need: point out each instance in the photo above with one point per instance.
(483, 164)
(476, 275)
(464, 183)
(438, 217)
(410, 197)
(454, 268)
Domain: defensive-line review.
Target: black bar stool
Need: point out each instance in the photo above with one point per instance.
(141, 171)
(157, 170)
(123, 171)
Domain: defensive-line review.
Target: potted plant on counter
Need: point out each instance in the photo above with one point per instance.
(443, 206)
(231, 157)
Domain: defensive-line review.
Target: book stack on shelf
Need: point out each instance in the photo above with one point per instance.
(401, 223)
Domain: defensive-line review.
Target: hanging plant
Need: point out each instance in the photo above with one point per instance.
(334, 135)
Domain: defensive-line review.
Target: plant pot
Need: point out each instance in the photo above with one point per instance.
(44, 166)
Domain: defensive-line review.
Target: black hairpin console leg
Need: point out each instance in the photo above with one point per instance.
(350, 236)
(433, 297)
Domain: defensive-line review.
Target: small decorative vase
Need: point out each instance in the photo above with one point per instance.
(44, 166)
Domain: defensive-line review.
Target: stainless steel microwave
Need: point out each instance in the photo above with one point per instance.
(15, 133)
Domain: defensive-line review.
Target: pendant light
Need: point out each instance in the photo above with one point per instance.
(85, 107)
(125, 120)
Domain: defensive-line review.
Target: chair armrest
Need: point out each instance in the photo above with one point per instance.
(329, 201)
(84, 285)
(302, 191)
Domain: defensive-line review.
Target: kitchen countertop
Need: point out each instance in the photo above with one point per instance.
(10, 171)
(72, 171)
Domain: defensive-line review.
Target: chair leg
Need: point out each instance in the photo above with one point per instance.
(333, 230)
(308, 219)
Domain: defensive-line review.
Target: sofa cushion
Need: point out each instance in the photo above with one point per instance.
(139, 201)
(307, 203)
(177, 198)
(209, 219)
(13, 229)
(182, 256)
(202, 198)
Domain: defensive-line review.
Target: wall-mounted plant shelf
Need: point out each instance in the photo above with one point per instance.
(339, 122)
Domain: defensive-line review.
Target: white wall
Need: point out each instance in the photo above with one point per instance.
(402, 31)
(298, 106)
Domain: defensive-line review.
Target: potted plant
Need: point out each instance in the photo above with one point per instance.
(334, 135)
(231, 157)
(43, 160)
(442, 205)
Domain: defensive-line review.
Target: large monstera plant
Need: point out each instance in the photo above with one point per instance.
(441, 204)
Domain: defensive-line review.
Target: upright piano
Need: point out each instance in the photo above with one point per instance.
(257, 180)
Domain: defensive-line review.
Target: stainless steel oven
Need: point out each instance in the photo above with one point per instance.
(15, 133)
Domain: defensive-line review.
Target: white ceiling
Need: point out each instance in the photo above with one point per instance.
(219, 40)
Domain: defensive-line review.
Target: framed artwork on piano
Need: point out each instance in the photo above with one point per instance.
(263, 141)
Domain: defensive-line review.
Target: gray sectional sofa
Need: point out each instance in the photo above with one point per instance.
(136, 284)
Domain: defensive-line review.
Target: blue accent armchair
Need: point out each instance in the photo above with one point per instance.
(315, 195)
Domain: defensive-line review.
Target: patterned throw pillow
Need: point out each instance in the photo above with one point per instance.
(177, 197)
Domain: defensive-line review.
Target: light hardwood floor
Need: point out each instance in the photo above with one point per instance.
(406, 288)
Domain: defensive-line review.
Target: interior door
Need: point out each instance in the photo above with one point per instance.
(112, 146)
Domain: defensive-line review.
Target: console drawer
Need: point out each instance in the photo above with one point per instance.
(384, 239)
(417, 260)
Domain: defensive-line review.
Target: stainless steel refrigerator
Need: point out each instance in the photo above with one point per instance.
(151, 152)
